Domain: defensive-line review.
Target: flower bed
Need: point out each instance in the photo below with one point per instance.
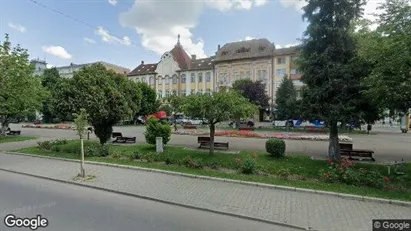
(57, 126)
(251, 134)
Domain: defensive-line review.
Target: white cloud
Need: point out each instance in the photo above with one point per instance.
(49, 65)
(369, 9)
(111, 39)
(57, 51)
(278, 46)
(17, 27)
(158, 24)
(89, 40)
(112, 2)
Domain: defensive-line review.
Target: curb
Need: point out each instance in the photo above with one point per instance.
(158, 200)
(270, 186)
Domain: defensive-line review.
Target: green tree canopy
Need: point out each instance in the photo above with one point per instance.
(327, 57)
(51, 81)
(253, 91)
(176, 102)
(389, 50)
(218, 107)
(286, 100)
(107, 97)
(149, 102)
(21, 93)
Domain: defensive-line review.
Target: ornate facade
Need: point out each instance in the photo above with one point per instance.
(179, 74)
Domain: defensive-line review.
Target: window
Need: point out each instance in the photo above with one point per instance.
(193, 78)
(159, 95)
(281, 60)
(151, 80)
(160, 80)
(183, 93)
(200, 77)
(242, 75)
(208, 76)
(208, 91)
(143, 80)
(294, 72)
(248, 74)
(167, 93)
(174, 92)
(264, 75)
(174, 79)
(183, 78)
(235, 76)
(259, 75)
(193, 91)
(280, 72)
(167, 80)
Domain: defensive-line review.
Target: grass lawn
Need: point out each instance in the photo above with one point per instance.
(16, 138)
(294, 171)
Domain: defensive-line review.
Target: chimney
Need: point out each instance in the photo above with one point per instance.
(142, 62)
(193, 57)
(218, 48)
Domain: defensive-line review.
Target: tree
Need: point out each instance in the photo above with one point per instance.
(327, 58)
(286, 100)
(156, 128)
(166, 108)
(389, 50)
(254, 92)
(149, 102)
(107, 97)
(81, 129)
(176, 102)
(21, 93)
(218, 107)
(51, 80)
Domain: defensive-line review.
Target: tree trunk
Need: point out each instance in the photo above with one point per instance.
(82, 171)
(4, 126)
(212, 133)
(333, 148)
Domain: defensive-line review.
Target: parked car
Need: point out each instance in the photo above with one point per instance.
(195, 121)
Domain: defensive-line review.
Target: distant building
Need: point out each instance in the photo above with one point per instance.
(68, 71)
(39, 66)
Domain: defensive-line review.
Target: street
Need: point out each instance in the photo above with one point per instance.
(72, 208)
(388, 144)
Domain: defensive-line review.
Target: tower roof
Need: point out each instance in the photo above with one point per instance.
(180, 55)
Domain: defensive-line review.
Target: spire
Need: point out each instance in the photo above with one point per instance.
(178, 41)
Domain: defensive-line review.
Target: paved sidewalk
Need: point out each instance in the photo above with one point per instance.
(8, 146)
(321, 212)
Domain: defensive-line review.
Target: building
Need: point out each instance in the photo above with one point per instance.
(68, 71)
(179, 74)
(176, 73)
(39, 66)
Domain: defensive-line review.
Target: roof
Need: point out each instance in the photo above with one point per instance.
(180, 56)
(286, 51)
(143, 69)
(254, 48)
(201, 64)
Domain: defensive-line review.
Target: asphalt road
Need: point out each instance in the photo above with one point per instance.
(388, 144)
(73, 208)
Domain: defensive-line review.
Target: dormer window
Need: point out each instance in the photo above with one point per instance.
(261, 48)
(224, 53)
(243, 50)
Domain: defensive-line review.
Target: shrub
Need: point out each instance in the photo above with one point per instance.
(275, 147)
(155, 128)
(116, 154)
(45, 145)
(55, 148)
(168, 160)
(214, 165)
(59, 142)
(135, 155)
(249, 166)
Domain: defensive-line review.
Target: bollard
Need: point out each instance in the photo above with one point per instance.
(159, 144)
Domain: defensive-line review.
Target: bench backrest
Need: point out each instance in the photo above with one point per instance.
(345, 146)
(203, 139)
(117, 134)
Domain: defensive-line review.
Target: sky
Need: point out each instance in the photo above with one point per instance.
(126, 32)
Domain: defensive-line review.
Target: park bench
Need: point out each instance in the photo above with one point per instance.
(189, 126)
(119, 138)
(346, 149)
(205, 142)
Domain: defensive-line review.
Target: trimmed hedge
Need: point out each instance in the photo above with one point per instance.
(275, 147)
